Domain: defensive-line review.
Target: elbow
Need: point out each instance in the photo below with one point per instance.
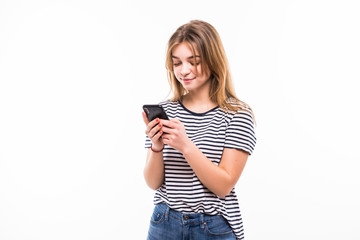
(222, 193)
(153, 186)
(153, 182)
(222, 196)
(225, 188)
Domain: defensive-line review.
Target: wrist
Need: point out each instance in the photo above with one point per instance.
(157, 149)
(187, 148)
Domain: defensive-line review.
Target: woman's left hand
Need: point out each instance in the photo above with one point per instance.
(175, 134)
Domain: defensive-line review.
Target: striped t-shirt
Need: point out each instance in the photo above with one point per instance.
(211, 131)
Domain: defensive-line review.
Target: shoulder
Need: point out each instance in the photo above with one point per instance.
(239, 106)
(168, 102)
(240, 111)
(169, 105)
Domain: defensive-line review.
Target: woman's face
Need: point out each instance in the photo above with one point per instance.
(192, 76)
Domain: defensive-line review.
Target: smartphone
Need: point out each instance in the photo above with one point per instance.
(154, 111)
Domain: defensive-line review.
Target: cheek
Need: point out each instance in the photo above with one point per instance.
(176, 73)
(203, 72)
(198, 70)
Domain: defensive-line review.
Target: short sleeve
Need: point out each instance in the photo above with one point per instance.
(240, 132)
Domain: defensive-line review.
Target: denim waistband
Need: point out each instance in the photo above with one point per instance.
(185, 218)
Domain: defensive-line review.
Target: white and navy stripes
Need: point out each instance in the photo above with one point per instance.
(211, 132)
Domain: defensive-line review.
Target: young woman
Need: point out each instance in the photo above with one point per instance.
(195, 159)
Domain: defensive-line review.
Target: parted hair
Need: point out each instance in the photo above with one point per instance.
(203, 37)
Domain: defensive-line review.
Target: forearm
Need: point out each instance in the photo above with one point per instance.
(154, 169)
(215, 178)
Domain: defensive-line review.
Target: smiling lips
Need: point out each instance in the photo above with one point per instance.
(188, 80)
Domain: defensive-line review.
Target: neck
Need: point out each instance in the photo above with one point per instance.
(200, 95)
(197, 98)
(198, 101)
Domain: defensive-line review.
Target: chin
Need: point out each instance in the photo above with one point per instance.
(188, 88)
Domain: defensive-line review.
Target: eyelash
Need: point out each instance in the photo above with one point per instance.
(192, 64)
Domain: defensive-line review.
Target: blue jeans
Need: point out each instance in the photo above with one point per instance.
(167, 224)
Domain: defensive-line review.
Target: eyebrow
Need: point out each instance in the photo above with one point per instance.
(172, 56)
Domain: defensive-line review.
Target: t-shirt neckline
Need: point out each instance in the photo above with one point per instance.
(195, 113)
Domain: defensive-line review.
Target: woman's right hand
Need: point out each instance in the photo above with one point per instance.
(154, 132)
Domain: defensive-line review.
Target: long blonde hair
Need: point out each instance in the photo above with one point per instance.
(205, 39)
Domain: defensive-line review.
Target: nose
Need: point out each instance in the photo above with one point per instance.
(185, 69)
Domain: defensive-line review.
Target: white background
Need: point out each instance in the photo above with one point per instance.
(74, 75)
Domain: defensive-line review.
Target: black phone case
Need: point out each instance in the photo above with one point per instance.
(155, 111)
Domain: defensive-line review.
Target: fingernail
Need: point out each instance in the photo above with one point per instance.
(157, 120)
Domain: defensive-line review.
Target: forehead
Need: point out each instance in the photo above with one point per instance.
(184, 50)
